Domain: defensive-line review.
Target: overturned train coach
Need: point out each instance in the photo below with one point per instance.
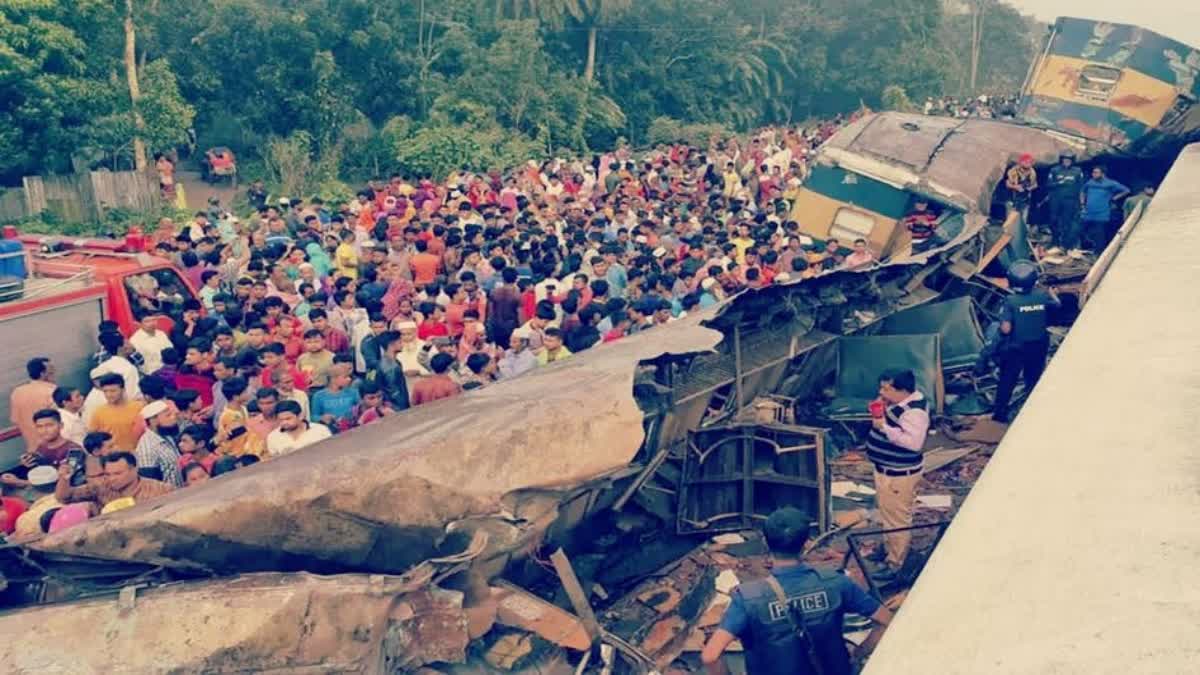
(455, 493)
(869, 175)
(1114, 89)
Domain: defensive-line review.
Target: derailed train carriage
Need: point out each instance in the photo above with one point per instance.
(458, 492)
(1114, 89)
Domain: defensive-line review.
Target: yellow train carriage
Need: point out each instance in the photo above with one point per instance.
(1123, 87)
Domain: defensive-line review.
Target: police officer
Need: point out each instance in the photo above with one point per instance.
(1064, 182)
(791, 622)
(1023, 323)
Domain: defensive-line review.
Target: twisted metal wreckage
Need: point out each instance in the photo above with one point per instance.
(411, 518)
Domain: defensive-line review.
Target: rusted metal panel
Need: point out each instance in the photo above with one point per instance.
(282, 623)
(734, 476)
(380, 497)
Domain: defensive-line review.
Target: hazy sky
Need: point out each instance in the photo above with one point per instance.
(1178, 19)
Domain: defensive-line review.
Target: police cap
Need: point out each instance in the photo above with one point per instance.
(1022, 275)
(786, 531)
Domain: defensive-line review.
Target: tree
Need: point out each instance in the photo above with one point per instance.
(514, 75)
(54, 68)
(1001, 47)
(895, 98)
(591, 15)
(131, 77)
(886, 42)
(166, 116)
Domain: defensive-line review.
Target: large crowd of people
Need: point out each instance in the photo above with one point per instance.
(1003, 107)
(312, 319)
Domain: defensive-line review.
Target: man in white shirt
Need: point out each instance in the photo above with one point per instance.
(149, 341)
(895, 445)
(294, 431)
(114, 343)
(69, 403)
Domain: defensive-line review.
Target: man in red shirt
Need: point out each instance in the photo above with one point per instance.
(437, 386)
(921, 224)
(335, 340)
(434, 323)
(274, 361)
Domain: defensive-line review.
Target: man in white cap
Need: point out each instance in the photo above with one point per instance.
(42, 480)
(710, 293)
(520, 358)
(157, 454)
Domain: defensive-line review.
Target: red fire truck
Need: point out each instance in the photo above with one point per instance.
(54, 291)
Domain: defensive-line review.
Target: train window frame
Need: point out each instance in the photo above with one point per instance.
(846, 231)
(1094, 73)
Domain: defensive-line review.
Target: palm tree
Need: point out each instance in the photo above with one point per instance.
(592, 15)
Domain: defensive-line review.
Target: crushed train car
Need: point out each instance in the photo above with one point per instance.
(1115, 88)
(868, 176)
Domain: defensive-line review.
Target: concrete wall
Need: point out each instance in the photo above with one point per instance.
(1078, 551)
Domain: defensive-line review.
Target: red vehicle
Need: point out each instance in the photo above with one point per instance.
(54, 308)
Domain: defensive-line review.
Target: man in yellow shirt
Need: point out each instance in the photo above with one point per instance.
(345, 257)
(119, 415)
(234, 438)
(743, 242)
(733, 181)
(552, 348)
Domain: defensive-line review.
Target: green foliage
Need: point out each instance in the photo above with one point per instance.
(1010, 43)
(359, 88)
(293, 168)
(166, 114)
(437, 150)
(116, 222)
(52, 80)
(895, 98)
(669, 130)
(333, 191)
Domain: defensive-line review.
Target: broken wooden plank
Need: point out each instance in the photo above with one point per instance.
(993, 252)
(518, 608)
(942, 457)
(578, 597)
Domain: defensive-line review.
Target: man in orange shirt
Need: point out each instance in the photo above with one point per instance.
(425, 265)
(437, 243)
(119, 415)
(34, 395)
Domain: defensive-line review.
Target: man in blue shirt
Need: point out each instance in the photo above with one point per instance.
(1098, 196)
(616, 275)
(816, 602)
(333, 406)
